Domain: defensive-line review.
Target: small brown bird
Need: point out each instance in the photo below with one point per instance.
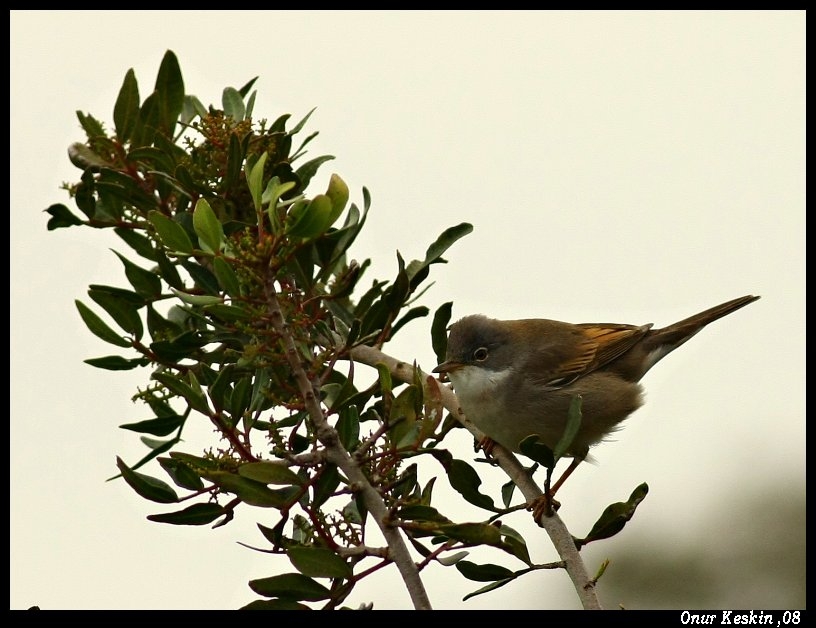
(517, 378)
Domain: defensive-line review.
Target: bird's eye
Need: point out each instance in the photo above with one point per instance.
(480, 355)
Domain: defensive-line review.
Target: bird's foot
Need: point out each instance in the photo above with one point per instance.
(545, 505)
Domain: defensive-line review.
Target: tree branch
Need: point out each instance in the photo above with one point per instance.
(338, 455)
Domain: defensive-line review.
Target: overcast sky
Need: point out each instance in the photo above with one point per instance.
(632, 167)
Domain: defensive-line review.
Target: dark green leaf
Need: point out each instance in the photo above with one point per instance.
(418, 512)
(161, 426)
(235, 162)
(61, 217)
(195, 515)
(146, 486)
(226, 276)
(537, 451)
(204, 278)
(149, 121)
(325, 485)
(138, 242)
(309, 169)
(249, 491)
(318, 562)
(275, 604)
(126, 109)
(170, 90)
(181, 473)
(144, 282)
(292, 586)
(172, 234)
(121, 309)
(490, 587)
(117, 363)
(573, 425)
(515, 544)
(92, 127)
(348, 426)
(615, 517)
(439, 331)
(181, 388)
(99, 328)
(483, 573)
(414, 312)
(417, 271)
(268, 472)
(466, 481)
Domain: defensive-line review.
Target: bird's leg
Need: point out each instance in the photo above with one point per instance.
(486, 444)
(547, 504)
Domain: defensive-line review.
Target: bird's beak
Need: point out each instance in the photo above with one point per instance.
(448, 366)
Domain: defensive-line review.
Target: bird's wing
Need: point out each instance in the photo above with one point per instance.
(593, 346)
(611, 340)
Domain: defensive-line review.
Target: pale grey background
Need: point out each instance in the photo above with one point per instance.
(617, 166)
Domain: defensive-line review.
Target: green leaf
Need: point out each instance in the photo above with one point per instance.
(292, 586)
(172, 234)
(464, 479)
(160, 426)
(318, 562)
(138, 242)
(537, 451)
(99, 328)
(148, 487)
(417, 271)
(483, 573)
(226, 276)
(311, 219)
(439, 330)
(275, 604)
(490, 587)
(126, 109)
(249, 491)
(192, 107)
(268, 472)
(614, 517)
(207, 227)
(170, 92)
(117, 363)
(338, 193)
(181, 388)
(472, 533)
(309, 169)
(233, 104)
(61, 217)
(419, 512)
(515, 544)
(325, 485)
(144, 282)
(195, 515)
(348, 426)
(197, 299)
(571, 430)
(254, 176)
(123, 310)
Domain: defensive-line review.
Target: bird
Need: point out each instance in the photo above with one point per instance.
(518, 378)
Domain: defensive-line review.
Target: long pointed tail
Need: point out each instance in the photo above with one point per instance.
(661, 342)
